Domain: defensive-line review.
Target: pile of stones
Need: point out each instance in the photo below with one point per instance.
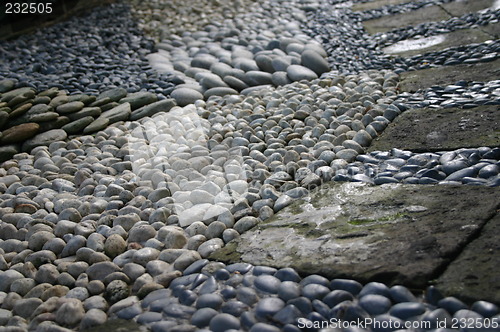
(29, 119)
(91, 53)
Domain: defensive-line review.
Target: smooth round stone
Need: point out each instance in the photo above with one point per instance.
(453, 166)
(223, 322)
(139, 99)
(70, 313)
(264, 270)
(288, 315)
(337, 296)
(202, 317)
(229, 234)
(221, 69)
(287, 274)
(245, 64)
(213, 301)
(228, 292)
(118, 113)
(116, 290)
(45, 139)
(235, 83)
(405, 310)
(282, 202)
(219, 91)
(315, 291)
(263, 327)
(265, 63)
(267, 283)
(315, 279)
(268, 307)
(377, 288)
(488, 171)
(348, 155)
(289, 290)
(38, 240)
(114, 245)
(465, 315)
(375, 304)
(79, 293)
(245, 223)
(19, 133)
(100, 270)
(402, 294)
(77, 125)
(485, 309)
(280, 78)
(141, 233)
(93, 317)
(235, 308)
(247, 295)
(469, 172)
(113, 94)
(96, 125)
(187, 297)
(22, 286)
(203, 61)
(70, 107)
(298, 73)
(451, 304)
(435, 316)
(257, 77)
(348, 311)
(314, 61)
(186, 96)
(207, 248)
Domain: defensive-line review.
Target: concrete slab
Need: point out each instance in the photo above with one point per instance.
(411, 47)
(358, 7)
(461, 7)
(422, 79)
(427, 129)
(397, 234)
(492, 29)
(474, 274)
(422, 15)
(426, 14)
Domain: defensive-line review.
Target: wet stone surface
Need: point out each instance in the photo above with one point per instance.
(413, 81)
(473, 272)
(426, 14)
(442, 129)
(344, 230)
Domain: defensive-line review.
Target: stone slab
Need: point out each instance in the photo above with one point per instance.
(474, 274)
(396, 234)
(453, 39)
(413, 18)
(430, 129)
(362, 6)
(462, 7)
(426, 14)
(413, 81)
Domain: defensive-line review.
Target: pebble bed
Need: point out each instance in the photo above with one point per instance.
(113, 212)
(91, 53)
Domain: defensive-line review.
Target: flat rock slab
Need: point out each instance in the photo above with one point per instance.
(426, 14)
(413, 81)
(411, 47)
(397, 234)
(430, 129)
(474, 274)
(362, 6)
